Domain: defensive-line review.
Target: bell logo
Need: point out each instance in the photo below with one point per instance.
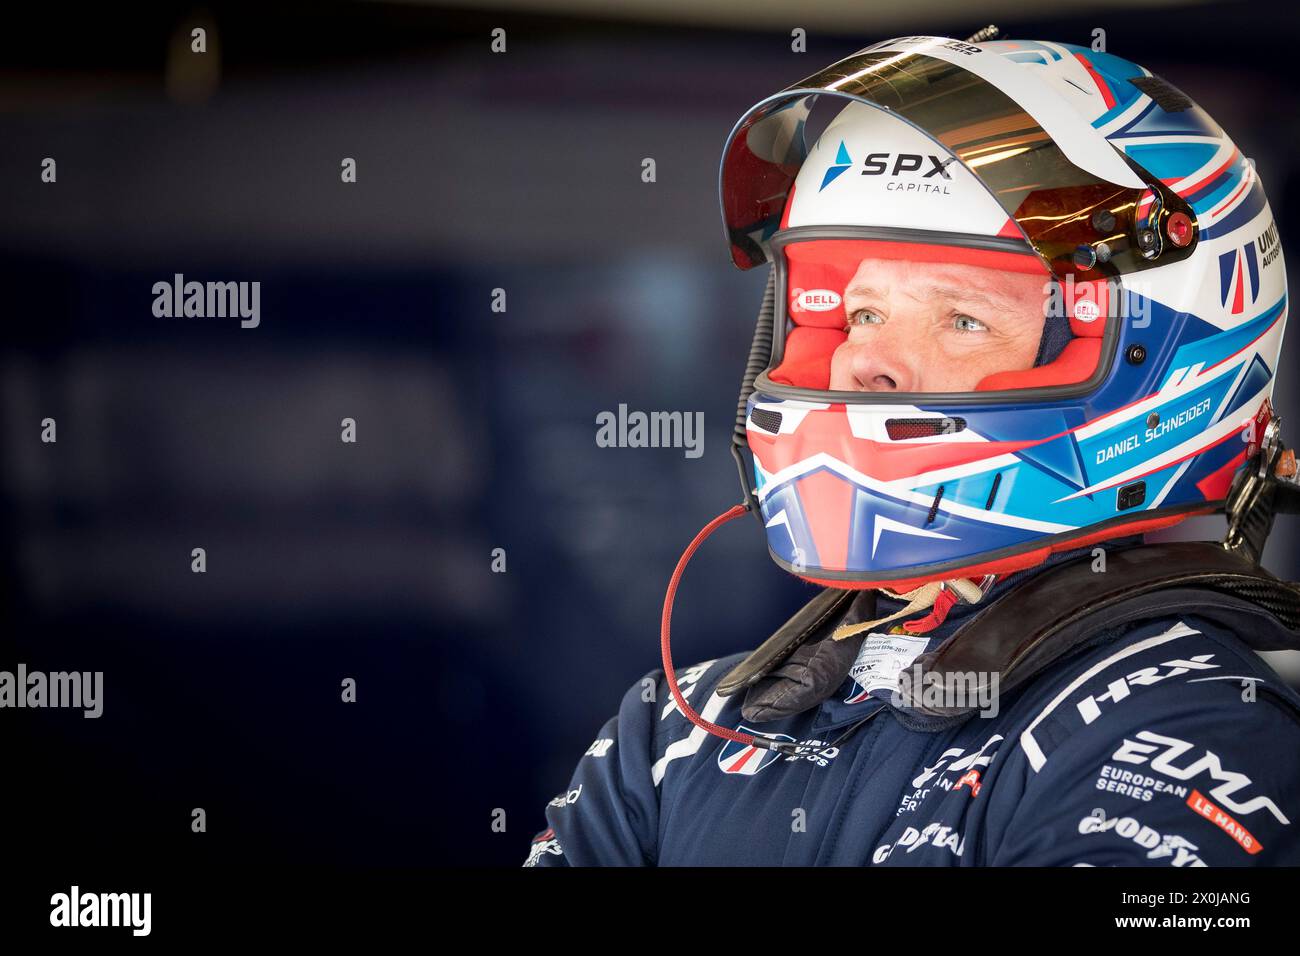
(815, 300)
(1085, 310)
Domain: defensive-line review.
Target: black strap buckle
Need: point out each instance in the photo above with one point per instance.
(1258, 493)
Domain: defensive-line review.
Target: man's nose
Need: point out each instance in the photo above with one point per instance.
(882, 367)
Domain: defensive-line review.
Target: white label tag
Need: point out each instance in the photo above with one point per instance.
(880, 660)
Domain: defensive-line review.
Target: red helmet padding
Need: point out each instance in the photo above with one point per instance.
(1076, 362)
(807, 359)
(831, 263)
(847, 254)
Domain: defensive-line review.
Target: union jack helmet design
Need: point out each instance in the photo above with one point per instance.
(1163, 282)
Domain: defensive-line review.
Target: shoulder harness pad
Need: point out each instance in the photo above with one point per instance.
(1057, 611)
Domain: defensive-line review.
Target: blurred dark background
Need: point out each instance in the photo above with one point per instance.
(476, 171)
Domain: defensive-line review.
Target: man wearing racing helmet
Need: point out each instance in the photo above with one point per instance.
(935, 327)
(1025, 299)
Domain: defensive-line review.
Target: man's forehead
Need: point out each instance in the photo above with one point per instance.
(875, 275)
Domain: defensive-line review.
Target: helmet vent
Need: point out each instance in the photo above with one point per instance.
(901, 429)
(766, 419)
(1167, 96)
(993, 492)
(934, 506)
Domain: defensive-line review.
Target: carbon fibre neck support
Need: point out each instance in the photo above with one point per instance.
(1065, 607)
(1062, 608)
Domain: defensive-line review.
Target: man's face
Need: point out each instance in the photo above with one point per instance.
(934, 327)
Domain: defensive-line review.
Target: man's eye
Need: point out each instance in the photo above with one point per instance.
(864, 317)
(964, 323)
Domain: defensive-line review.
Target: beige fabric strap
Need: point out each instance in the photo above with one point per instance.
(918, 599)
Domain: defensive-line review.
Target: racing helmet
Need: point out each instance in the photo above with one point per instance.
(1023, 297)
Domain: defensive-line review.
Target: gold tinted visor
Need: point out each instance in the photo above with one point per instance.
(1081, 223)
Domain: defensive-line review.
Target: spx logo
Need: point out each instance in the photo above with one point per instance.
(878, 163)
(888, 163)
(837, 169)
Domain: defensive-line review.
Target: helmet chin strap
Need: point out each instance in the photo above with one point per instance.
(939, 595)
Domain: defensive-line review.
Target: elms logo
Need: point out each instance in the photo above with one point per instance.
(836, 170)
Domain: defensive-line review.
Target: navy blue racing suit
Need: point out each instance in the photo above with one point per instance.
(1171, 743)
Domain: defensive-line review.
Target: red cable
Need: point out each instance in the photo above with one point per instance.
(724, 732)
